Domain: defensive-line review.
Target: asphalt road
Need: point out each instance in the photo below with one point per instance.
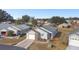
(10, 47)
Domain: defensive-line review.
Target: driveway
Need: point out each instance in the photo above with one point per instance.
(25, 43)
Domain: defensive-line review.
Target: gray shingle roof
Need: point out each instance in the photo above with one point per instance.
(5, 26)
(23, 26)
(51, 29)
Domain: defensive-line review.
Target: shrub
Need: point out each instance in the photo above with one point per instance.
(10, 33)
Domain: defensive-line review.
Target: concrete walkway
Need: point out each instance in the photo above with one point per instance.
(25, 43)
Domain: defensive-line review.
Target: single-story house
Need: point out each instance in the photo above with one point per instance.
(43, 33)
(6, 27)
(74, 39)
(23, 28)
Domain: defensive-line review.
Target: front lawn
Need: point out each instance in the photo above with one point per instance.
(11, 41)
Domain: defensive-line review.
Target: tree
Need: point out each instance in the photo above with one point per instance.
(25, 18)
(57, 20)
(17, 22)
(34, 22)
(10, 33)
(4, 16)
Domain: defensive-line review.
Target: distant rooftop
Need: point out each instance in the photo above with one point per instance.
(22, 26)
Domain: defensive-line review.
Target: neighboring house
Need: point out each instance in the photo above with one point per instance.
(5, 28)
(64, 25)
(73, 40)
(23, 28)
(68, 21)
(40, 22)
(75, 21)
(42, 33)
(72, 21)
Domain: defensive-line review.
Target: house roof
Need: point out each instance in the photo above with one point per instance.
(37, 29)
(18, 27)
(5, 26)
(50, 29)
(47, 29)
(23, 26)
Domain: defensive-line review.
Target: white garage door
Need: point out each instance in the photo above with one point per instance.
(31, 37)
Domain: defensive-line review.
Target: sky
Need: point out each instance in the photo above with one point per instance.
(43, 13)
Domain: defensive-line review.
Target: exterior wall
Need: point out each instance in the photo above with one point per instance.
(74, 40)
(43, 34)
(52, 36)
(35, 34)
(49, 36)
(29, 36)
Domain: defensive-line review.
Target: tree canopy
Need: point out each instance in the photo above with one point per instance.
(57, 20)
(34, 22)
(4, 16)
(25, 18)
